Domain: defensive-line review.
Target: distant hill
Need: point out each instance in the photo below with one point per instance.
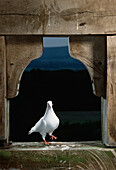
(75, 89)
(57, 58)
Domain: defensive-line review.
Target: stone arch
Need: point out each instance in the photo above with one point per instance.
(21, 50)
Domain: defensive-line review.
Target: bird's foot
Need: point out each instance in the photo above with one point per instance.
(46, 143)
(53, 137)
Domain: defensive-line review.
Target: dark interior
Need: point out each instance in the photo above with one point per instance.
(73, 101)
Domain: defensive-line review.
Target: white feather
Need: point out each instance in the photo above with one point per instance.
(48, 123)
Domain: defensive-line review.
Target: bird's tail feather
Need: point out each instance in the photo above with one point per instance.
(30, 132)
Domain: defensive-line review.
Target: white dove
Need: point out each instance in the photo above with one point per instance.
(47, 124)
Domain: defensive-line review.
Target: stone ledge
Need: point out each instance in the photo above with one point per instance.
(58, 155)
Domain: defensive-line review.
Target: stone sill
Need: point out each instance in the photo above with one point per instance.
(61, 146)
(58, 155)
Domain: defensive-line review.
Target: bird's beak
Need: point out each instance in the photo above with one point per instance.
(50, 106)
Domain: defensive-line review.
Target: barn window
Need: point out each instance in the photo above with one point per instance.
(66, 81)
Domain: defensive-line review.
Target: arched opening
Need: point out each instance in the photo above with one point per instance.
(58, 77)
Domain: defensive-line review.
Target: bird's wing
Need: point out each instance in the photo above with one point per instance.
(40, 125)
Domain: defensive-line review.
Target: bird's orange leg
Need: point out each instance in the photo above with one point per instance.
(53, 137)
(46, 143)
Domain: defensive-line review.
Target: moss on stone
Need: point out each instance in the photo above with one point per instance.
(110, 154)
(56, 158)
(78, 159)
(5, 154)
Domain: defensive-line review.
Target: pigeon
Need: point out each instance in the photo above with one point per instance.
(47, 124)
